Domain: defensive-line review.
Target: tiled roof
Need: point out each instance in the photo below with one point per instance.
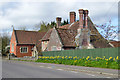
(96, 39)
(28, 37)
(65, 26)
(67, 37)
(99, 42)
(115, 43)
(74, 26)
(47, 35)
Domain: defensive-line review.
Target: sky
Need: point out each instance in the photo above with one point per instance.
(31, 12)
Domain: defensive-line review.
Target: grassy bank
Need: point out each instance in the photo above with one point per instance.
(112, 63)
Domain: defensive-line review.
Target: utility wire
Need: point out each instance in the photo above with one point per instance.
(106, 14)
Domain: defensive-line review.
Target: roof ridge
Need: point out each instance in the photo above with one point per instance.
(59, 36)
(71, 24)
(29, 31)
(26, 31)
(46, 33)
(30, 37)
(61, 29)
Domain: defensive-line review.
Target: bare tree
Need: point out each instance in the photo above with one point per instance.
(5, 39)
(40, 25)
(108, 31)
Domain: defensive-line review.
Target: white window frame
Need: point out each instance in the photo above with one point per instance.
(45, 42)
(54, 47)
(23, 47)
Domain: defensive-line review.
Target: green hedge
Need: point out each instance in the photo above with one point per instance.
(98, 52)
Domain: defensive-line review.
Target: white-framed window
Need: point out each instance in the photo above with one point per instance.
(12, 49)
(23, 49)
(54, 48)
(45, 42)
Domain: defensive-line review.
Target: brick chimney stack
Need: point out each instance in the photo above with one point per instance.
(81, 18)
(85, 18)
(72, 17)
(58, 19)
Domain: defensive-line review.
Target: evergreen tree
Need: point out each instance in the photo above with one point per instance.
(64, 22)
(53, 24)
(43, 27)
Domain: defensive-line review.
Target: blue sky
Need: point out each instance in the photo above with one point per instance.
(28, 12)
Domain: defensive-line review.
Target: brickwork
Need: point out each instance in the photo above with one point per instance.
(72, 17)
(81, 18)
(86, 18)
(29, 53)
(21, 38)
(13, 41)
(54, 41)
(58, 19)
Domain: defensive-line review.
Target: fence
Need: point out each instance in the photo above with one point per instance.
(99, 52)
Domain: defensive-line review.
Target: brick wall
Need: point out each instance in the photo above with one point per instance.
(17, 47)
(54, 41)
(29, 53)
(13, 41)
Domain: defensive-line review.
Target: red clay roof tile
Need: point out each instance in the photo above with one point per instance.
(28, 37)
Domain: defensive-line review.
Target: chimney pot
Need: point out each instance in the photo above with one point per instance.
(72, 17)
(80, 11)
(58, 19)
(86, 11)
(81, 18)
(86, 18)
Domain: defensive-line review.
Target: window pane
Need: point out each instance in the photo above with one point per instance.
(54, 48)
(24, 49)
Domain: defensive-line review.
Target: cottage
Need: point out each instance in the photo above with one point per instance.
(78, 34)
(58, 39)
(25, 43)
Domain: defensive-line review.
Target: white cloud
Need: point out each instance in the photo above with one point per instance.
(59, 1)
(26, 13)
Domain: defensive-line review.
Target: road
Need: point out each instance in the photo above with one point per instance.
(20, 69)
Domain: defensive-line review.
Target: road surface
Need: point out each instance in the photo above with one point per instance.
(20, 69)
